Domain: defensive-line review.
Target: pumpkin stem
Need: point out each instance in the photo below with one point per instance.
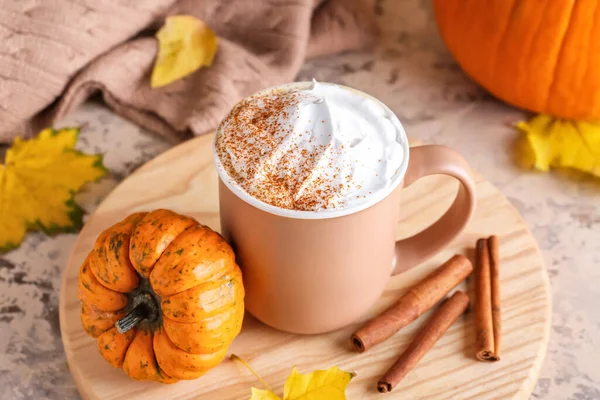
(132, 319)
(142, 311)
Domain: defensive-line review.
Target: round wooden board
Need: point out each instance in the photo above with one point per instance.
(184, 180)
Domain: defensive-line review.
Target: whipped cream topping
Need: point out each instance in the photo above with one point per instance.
(316, 148)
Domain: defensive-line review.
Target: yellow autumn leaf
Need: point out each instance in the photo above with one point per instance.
(37, 184)
(327, 384)
(185, 44)
(558, 143)
(261, 394)
(318, 385)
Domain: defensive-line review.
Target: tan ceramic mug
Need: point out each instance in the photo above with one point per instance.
(309, 272)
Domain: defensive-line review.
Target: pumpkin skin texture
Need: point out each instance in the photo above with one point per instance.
(93, 294)
(162, 295)
(540, 56)
(96, 322)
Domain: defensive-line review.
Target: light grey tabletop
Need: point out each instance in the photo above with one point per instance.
(415, 75)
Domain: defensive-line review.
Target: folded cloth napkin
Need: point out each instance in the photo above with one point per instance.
(54, 54)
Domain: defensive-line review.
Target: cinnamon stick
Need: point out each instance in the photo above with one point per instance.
(493, 248)
(415, 302)
(443, 318)
(487, 296)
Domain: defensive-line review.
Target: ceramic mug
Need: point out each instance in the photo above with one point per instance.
(309, 272)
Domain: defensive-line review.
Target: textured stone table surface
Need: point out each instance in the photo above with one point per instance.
(414, 74)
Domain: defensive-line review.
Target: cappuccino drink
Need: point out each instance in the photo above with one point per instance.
(311, 147)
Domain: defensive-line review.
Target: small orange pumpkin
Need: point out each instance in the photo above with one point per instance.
(163, 296)
(541, 56)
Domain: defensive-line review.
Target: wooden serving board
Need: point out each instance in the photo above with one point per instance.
(184, 180)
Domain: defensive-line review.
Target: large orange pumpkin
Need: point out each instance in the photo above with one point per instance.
(163, 296)
(543, 56)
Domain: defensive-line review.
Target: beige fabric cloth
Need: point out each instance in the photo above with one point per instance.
(54, 54)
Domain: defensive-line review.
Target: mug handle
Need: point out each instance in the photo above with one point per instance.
(432, 160)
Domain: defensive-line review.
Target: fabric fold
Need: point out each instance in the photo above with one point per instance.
(261, 44)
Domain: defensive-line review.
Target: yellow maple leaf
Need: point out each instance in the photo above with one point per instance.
(37, 184)
(558, 143)
(318, 385)
(262, 394)
(185, 44)
(327, 384)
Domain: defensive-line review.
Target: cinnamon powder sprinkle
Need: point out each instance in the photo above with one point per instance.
(255, 144)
